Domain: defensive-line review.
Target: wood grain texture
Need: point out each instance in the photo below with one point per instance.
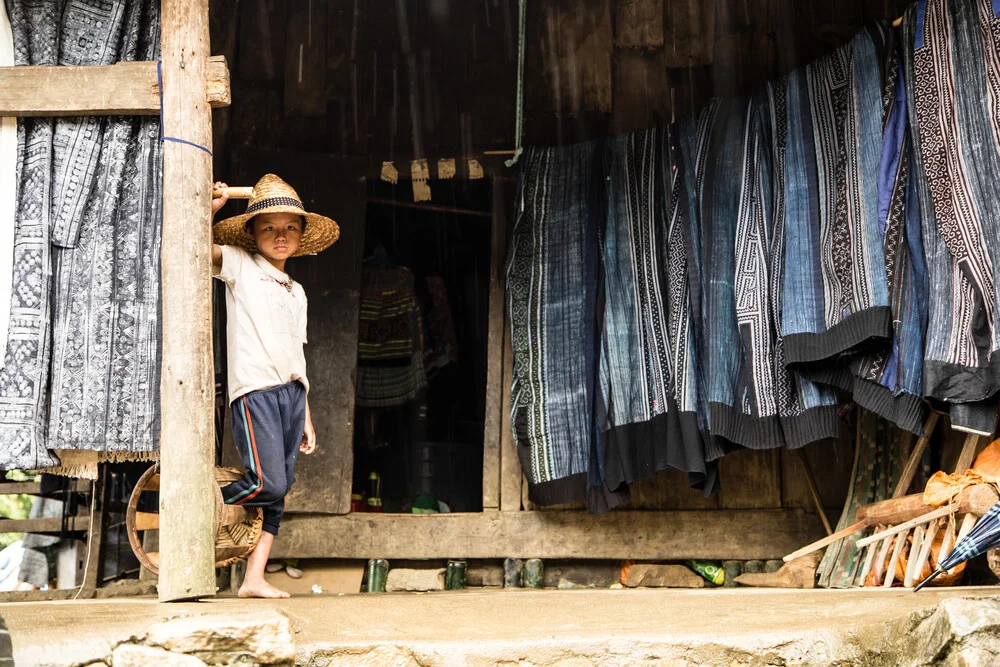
(669, 490)
(187, 384)
(493, 419)
(742, 535)
(512, 483)
(831, 462)
(751, 479)
(305, 58)
(641, 97)
(689, 33)
(124, 88)
(639, 23)
(568, 58)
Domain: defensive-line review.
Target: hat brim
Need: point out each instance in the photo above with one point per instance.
(321, 232)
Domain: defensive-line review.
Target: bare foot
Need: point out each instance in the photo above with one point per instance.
(260, 589)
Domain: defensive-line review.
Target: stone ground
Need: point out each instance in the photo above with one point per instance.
(547, 628)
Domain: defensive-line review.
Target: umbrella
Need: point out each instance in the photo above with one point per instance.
(983, 537)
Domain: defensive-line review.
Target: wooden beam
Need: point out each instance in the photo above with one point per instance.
(35, 488)
(97, 90)
(94, 566)
(968, 454)
(187, 385)
(711, 534)
(45, 525)
(511, 474)
(494, 352)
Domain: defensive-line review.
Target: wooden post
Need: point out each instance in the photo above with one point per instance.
(187, 458)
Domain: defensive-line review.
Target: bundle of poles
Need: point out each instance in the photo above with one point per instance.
(903, 516)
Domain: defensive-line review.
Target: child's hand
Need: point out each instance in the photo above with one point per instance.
(308, 445)
(221, 201)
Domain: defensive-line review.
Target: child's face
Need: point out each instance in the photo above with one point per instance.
(277, 234)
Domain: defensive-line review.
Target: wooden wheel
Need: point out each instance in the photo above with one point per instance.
(237, 528)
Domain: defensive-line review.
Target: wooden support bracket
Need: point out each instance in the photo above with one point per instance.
(91, 90)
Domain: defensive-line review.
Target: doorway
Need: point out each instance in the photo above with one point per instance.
(422, 349)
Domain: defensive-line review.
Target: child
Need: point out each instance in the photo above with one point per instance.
(266, 329)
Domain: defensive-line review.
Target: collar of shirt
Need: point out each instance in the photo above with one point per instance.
(273, 272)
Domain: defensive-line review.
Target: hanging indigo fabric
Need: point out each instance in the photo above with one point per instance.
(24, 378)
(869, 226)
(952, 48)
(648, 383)
(90, 187)
(754, 400)
(836, 293)
(107, 211)
(552, 293)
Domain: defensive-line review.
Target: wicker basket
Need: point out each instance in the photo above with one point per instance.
(237, 529)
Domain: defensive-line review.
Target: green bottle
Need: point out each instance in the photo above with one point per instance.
(709, 571)
(454, 578)
(378, 570)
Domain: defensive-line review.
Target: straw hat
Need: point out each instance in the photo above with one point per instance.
(273, 195)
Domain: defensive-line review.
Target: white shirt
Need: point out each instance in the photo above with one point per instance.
(266, 323)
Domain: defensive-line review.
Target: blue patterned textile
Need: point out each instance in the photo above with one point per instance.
(648, 383)
(552, 298)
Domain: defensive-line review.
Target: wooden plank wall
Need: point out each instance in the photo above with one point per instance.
(328, 89)
(437, 78)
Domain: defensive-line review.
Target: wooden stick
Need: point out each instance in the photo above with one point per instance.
(911, 563)
(869, 562)
(428, 207)
(827, 541)
(883, 553)
(913, 463)
(813, 490)
(898, 22)
(968, 523)
(968, 454)
(242, 192)
(925, 548)
(187, 384)
(948, 542)
(888, 532)
(890, 572)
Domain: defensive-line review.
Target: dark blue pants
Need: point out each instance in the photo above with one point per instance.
(267, 428)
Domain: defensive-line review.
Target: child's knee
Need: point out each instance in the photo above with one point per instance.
(273, 493)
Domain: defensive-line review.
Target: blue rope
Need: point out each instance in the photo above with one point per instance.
(159, 82)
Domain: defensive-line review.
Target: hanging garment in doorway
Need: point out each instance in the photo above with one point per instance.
(553, 288)
(390, 342)
(754, 400)
(648, 380)
(853, 104)
(952, 49)
(83, 354)
(834, 261)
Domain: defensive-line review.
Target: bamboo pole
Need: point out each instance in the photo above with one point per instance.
(903, 527)
(814, 490)
(827, 541)
(187, 454)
